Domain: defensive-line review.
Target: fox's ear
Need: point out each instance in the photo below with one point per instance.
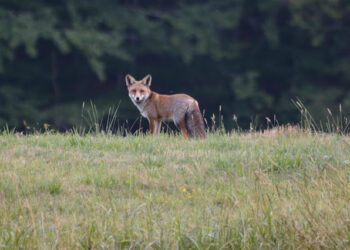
(147, 80)
(129, 80)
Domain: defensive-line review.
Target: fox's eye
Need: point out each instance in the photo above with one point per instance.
(142, 91)
(134, 91)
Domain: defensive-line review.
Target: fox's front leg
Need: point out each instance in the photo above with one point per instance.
(152, 126)
(155, 126)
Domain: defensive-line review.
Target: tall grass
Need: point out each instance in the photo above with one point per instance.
(100, 122)
(334, 123)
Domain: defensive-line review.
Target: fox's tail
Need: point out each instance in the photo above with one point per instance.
(194, 121)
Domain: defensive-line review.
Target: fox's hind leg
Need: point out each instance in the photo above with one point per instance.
(182, 126)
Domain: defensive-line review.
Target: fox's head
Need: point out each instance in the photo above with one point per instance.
(139, 91)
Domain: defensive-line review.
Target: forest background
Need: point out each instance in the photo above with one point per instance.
(250, 57)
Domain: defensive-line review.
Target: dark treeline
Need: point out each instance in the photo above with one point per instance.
(251, 57)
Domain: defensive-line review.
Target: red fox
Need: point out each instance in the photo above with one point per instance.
(182, 109)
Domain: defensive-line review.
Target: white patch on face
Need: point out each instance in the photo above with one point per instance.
(138, 99)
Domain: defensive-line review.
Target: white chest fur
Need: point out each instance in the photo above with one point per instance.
(141, 108)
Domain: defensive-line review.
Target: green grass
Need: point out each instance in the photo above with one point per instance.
(281, 189)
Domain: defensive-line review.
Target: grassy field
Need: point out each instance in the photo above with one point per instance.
(281, 189)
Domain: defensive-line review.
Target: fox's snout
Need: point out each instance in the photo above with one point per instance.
(138, 97)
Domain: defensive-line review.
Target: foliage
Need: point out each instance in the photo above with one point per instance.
(251, 57)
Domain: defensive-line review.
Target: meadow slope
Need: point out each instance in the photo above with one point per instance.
(281, 189)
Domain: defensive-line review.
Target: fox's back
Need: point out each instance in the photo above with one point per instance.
(175, 99)
(168, 106)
